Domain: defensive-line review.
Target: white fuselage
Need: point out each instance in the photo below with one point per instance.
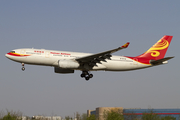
(52, 57)
(67, 62)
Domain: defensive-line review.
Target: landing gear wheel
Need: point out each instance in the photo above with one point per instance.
(23, 68)
(86, 75)
(82, 75)
(87, 78)
(90, 75)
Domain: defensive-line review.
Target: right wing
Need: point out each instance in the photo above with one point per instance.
(96, 58)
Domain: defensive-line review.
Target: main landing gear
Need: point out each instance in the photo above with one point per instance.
(23, 68)
(86, 75)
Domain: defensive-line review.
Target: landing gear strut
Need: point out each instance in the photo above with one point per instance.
(23, 68)
(86, 75)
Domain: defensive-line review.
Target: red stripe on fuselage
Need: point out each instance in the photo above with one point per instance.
(17, 55)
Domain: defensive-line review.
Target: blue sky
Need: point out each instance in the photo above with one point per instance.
(87, 26)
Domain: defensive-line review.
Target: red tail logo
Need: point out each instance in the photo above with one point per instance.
(158, 50)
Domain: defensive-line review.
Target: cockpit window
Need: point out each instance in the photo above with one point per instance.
(12, 52)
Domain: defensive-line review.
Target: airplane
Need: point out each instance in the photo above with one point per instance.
(67, 62)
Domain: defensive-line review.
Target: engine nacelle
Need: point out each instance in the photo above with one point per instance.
(68, 64)
(62, 71)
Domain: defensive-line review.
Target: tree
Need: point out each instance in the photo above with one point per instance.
(150, 116)
(2, 114)
(68, 118)
(91, 117)
(113, 115)
(130, 116)
(168, 118)
(84, 116)
(11, 115)
(78, 116)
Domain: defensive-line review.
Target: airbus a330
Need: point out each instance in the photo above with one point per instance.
(67, 62)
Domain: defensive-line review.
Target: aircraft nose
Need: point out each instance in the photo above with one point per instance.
(7, 55)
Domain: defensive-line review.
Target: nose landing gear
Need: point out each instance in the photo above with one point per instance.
(23, 68)
(86, 75)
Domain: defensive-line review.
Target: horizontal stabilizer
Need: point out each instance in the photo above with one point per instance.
(160, 61)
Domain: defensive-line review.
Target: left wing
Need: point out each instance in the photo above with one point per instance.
(96, 58)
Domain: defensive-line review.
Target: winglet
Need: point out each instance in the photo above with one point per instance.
(125, 45)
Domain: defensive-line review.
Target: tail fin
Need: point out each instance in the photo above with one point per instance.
(158, 50)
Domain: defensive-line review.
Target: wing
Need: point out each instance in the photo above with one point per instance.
(97, 58)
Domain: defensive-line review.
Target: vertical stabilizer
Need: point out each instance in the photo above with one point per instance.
(158, 50)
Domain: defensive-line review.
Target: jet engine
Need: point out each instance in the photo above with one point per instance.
(68, 64)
